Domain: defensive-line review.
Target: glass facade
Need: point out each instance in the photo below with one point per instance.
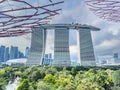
(37, 49)
(61, 47)
(86, 52)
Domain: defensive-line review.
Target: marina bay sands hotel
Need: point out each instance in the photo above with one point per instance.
(61, 44)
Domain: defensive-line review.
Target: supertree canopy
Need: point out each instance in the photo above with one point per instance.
(106, 9)
(17, 17)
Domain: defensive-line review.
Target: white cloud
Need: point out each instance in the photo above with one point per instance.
(109, 44)
(114, 30)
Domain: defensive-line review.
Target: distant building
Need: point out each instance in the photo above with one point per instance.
(104, 62)
(27, 51)
(13, 52)
(16, 54)
(6, 55)
(16, 61)
(2, 52)
(116, 58)
(47, 60)
(48, 55)
(109, 60)
(20, 55)
(73, 63)
(115, 55)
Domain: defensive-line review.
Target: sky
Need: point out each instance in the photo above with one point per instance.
(105, 42)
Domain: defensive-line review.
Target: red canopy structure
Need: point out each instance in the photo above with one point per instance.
(106, 9)
(17, 17)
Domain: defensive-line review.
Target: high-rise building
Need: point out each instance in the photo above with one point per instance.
(38, 45)
(86, 52)
(116, 58)
(61, 47)
(61, 44)
(11, 52)
(50, 55)
(115, 55)
(46, 55)
(2, 52)
(47, 60)
(14, 52)
(6, 55)
(27, 51)
(21, 55)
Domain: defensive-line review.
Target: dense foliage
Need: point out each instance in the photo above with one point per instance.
(6, 75)
(62, 78)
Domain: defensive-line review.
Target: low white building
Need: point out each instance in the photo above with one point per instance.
(16, 61)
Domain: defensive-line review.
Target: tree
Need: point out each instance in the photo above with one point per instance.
(73, 71)
(116, 78)
(61, 87)
(35, 76)
(49, 78)
(51, 70)
(3, 83)
(43, 86)
(2, 72)
(70, 86)
(89, 86)
(24, 85)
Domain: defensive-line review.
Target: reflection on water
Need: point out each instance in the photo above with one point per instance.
(12, 86)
